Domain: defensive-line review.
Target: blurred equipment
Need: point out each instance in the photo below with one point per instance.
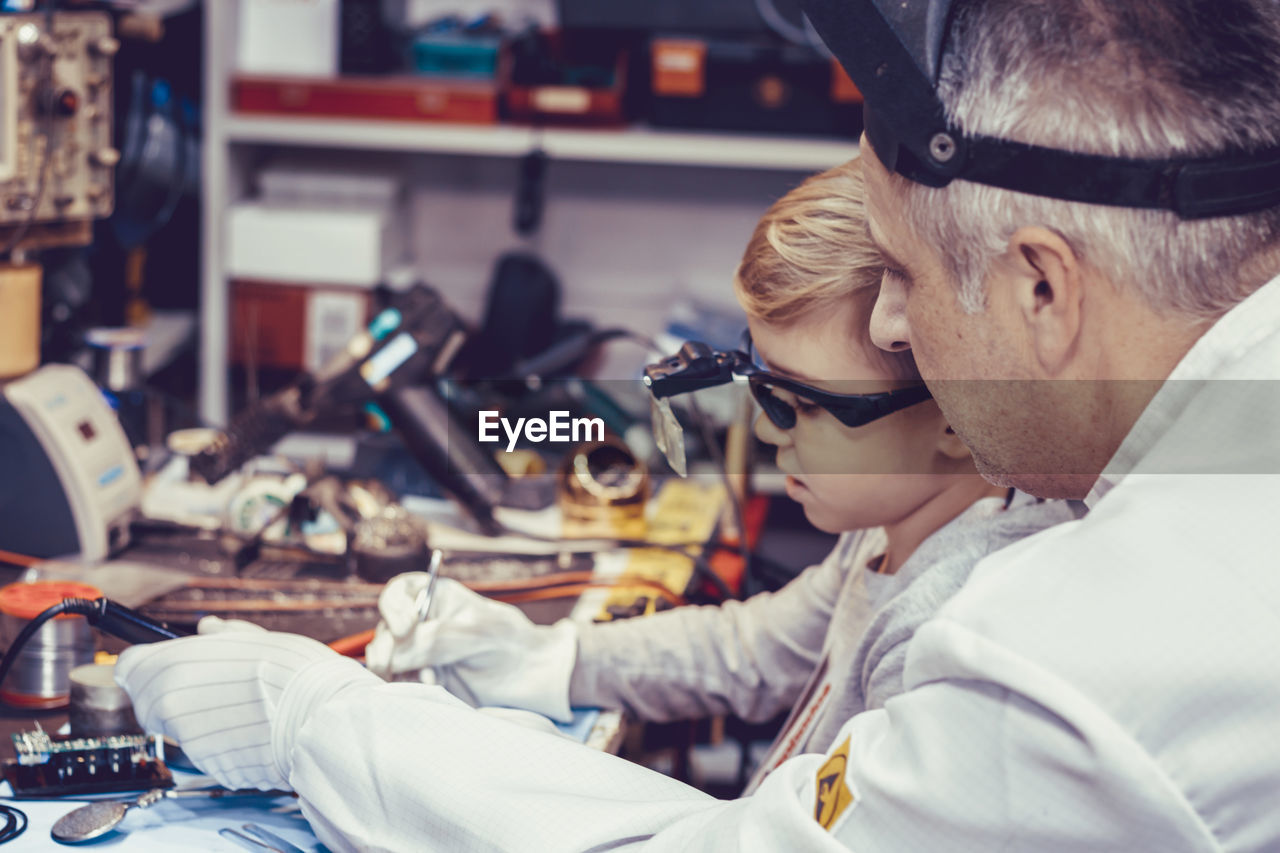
(453, 47)
(117, 357)
(389, 544)
(41, 668)
(565, 78)
(705, 16)
(411, 343)
(159, 160)
(56, 154)
(366, 43)
(71, 483)
(19, 319)
(603, 490)
(751, 85)
(117, 368)
(684, 511)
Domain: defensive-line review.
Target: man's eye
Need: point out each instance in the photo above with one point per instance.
(804, 406)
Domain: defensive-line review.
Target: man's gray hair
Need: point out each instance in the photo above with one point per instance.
(1134, 78)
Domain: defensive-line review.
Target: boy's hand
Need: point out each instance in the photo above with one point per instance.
(483, 651)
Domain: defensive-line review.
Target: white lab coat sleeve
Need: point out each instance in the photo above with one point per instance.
(407, 767)
(959, 763)
(751, 658)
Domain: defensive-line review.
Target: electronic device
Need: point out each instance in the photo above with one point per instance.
(56, 155)
(70, 483)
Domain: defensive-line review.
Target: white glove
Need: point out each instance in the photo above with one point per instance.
(220, 696)
(485, 652)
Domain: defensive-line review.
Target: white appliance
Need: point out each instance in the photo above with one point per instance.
(69, 483)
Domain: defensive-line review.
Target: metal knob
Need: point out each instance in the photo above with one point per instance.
(108, 157)
(105, 46)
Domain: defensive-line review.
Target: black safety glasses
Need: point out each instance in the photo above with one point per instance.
(852, 410)
(697, 366)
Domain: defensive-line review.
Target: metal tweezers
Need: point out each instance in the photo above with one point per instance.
(262, 840)
(422, 603)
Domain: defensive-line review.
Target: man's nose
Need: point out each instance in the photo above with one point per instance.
(889, 329)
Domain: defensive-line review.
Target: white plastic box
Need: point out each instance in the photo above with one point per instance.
(288, 37)
(355, 246)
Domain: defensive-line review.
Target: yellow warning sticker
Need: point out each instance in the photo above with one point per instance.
(834, 795)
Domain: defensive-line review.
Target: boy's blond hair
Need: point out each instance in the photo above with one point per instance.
(811, 252)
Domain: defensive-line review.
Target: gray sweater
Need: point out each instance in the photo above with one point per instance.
(828, 645)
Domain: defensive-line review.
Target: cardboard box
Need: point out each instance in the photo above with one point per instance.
(293, 326)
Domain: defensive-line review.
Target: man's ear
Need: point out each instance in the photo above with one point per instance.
(950, 446)
(1047, 292)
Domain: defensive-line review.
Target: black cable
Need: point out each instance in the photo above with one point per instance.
(114, 619)
(70, 605)
(15, 822)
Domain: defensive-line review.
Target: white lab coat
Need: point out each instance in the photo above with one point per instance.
(1110, 684)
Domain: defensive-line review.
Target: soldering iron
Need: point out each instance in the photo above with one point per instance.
(102, 613)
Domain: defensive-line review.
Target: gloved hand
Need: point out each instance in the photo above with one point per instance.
(483, 651)
(233, 698)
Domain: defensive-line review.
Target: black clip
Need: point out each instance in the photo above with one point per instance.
(694, 367)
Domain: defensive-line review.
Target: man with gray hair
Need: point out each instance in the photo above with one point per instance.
(1080, 208)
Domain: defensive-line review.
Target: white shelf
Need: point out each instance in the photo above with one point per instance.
(232, 141)
(632, 145)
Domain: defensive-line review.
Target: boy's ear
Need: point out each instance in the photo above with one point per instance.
(950, 445)
(1047, 293)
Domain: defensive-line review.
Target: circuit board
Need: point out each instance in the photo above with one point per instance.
(60, 765)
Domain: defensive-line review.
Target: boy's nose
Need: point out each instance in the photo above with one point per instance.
(767, 432)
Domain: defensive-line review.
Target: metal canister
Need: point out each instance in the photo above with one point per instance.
(117, 357)
(40, 677)
(99, 706)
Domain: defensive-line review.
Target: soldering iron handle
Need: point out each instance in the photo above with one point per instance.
(128, 625)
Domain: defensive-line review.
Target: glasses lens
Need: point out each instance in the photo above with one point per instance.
(780, 413)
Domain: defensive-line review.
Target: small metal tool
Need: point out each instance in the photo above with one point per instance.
(422, 603)
(251, 843)
(270, 837)
(259, 838)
